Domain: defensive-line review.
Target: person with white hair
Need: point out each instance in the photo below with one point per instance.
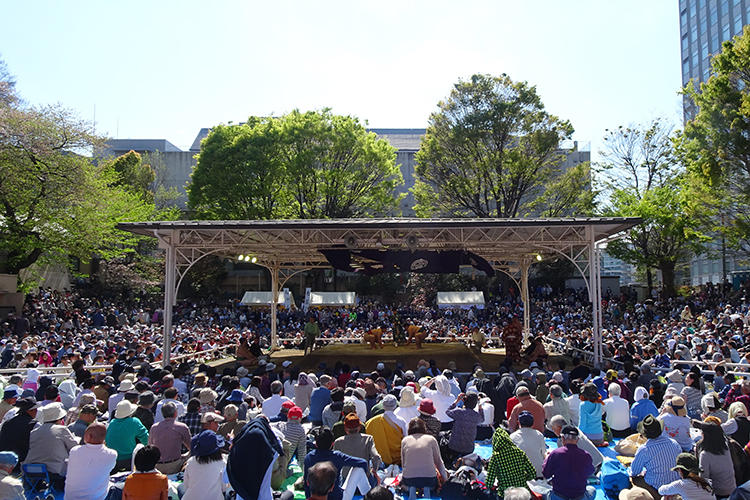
(557, 405)
(617, 412)
(441, 397)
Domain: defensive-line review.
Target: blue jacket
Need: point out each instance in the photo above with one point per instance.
(590, 418)
(319, 398)
(339, 460)
(640, 410)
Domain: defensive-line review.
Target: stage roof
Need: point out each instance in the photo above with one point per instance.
(297, 243)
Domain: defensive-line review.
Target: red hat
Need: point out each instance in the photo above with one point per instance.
(288, 405)
(294, 412)
(427, 406)
(351, 421)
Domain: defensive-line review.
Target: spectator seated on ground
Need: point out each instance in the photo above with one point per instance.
(124, 432)
(89, 466)
(509, 466)
(531, 441)
(420, 457)
(86, 416)
(558, 422)
(14, 433)
(11, 488)
(617, 412)
(204, 471)
(146, 483)
(325, 453)
(653, 463)
(387, 430)
(231, 425)
(170, 437)
(568, 468)
(465, 423)
(50, 443)
(321, 481)
(357, 444)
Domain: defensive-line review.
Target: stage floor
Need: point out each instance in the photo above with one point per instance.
(366, 359)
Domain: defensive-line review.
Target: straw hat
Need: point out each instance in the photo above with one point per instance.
(125, 409)
(678, 405)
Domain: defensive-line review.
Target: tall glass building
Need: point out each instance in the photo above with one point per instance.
(704, 26)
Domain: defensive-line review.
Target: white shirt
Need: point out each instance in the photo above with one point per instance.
(618, 413)
(407, 413)
(488, 410)
(89, 466)
(361, 407)
(289, 388)
(531, 441)
(272, 405)
(574, 402)
(158, 417)
(204, 481)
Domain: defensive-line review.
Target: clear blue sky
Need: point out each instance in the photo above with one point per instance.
(164, 69)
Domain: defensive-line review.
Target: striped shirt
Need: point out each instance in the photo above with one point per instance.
(295, 434)
(657, 456)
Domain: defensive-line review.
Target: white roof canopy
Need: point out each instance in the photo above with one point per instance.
(332, 299)
(460, 299)
(265, 298)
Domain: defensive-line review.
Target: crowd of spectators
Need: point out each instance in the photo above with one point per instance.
(188, 431)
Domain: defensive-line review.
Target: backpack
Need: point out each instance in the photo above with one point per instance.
(461, 485)
(614, 478)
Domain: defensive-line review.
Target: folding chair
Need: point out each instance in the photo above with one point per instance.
(36, 481)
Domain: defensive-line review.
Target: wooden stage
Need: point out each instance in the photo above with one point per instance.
(361, 357)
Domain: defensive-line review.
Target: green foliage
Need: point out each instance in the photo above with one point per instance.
(643, 179)
(716, 143)
(301, 165)
(135, 176)
(491, 150)
(205, 277)
(55, 203)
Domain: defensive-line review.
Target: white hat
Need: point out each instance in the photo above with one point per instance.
(126, 385)
(380, 367)
(125, 409)
(211, 417)
(53, 412)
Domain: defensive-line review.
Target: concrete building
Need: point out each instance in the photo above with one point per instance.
(704, 26)
(177, 165)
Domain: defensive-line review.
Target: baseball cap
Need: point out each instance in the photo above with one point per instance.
(570, 430)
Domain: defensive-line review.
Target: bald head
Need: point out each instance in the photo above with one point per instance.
(95, 433)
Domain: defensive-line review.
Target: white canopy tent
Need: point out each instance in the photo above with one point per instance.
(461, 300)
(285, 298)
(321, 299)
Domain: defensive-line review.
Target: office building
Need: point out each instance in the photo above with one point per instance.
(704, 26)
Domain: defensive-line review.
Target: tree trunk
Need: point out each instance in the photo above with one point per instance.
(649, 280)
(667, 277)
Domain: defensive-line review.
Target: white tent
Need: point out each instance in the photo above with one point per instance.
(463, 300)
(265, 298)
(318, 299)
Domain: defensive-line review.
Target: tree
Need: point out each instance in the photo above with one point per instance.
(643, 179)
(715, 145)
(239, 173)
(134, 175)
(302, 165)
(336, 169)
(491, 150)
(55, 203)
